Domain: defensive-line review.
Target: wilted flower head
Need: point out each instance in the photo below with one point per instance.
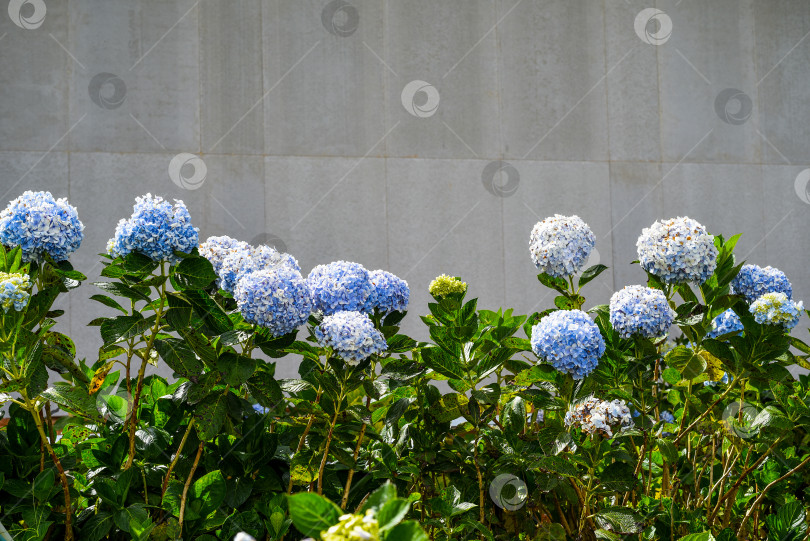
(276, 298)
(776, 309)
(216, 249)
(340, 285)
(156, 229)
(677, 250)
(244, 260)
(351, 335)
(754, 281)
(354, 528)
(594, 415)
(444, 285)
(570, 341)
(725, 323)
(560, 245)
(390, 293)
(640, 310)
(14, 291)
(39, 225)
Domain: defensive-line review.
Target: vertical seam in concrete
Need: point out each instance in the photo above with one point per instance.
(607, 134)
(502, 144)
(264, 136)
(762, 148)
(199, 79)
(384, 7)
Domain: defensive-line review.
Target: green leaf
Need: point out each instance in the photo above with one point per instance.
(442, 362)
(265, 389)
(179, 356)
(206, 495)
(671, 375)
(558, 465)
(618, 477)
(409, 530)
(194, 272)
(123, 291)
(215, 320)
(43, 485)
(236, 368)
(392, 513)
(449, 407)
(97, 527)
(311, 514)
(668, 450)
(686, 361)
(553, 283)
(209, 415)
(123, 327)
(591, 273)
(108, 301)
(619, 519)
(73, 399)
(572, 302)
(380, 497)
(788, 524)
(704, 536)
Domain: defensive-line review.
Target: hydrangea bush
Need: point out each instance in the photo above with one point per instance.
(668, 413)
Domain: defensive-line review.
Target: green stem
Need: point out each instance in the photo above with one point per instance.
(188, 484)
(326, 454)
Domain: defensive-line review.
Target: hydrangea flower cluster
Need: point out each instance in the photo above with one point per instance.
(754, 281)
(570, 341)
(444, 285)
(667, 417)
(351, 335)
(640, 310)
(244, 260)
(156, 229)
(725, 323)
(390, 293)
(354, 528)
(560, 245)
(677, 250)
(39, 225)
(776, 309)
(14, 291)
(276, 298)
(216, 249)
(594, 415)
(340, 285)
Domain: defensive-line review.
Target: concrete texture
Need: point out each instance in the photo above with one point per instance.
(318, 136)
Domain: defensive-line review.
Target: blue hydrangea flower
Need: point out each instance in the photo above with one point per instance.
(351, 335)
(275, 298)
(640, 310)
(560, 245)
(677, 250)
(244, 260)
(754, 281)
(340, 286)
(667, 417)
(156, 229)
(14, 291)
(594, 415)
(390, 293)
(725, 380)
(725, 323)
(216, 249)
(39, 225)
(570, 341)
(776, 309)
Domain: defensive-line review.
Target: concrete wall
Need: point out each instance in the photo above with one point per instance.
(313, 132)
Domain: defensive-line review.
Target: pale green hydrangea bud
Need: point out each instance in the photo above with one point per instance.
(354, 528)
(445, 285)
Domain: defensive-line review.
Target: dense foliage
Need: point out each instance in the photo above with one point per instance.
(573, 423)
